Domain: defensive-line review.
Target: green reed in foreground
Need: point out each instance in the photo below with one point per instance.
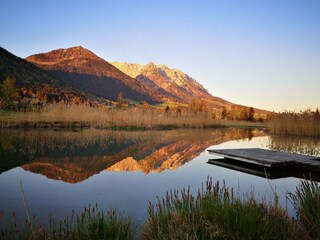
(215, 212)
(90, 224)
(306, 201)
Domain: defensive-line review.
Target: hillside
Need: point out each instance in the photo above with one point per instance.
(35, 87)
(25, 73)
(81, 68)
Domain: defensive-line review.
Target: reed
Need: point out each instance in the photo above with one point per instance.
(90, 224)
(215, 213)
(306, 201)
(101, 117)
(306, 123)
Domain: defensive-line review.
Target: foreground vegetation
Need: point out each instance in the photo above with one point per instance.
(90, 224)
(214, 213)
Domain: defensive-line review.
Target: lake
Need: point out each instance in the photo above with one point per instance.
(63, 171)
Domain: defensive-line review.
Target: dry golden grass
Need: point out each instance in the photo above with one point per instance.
(107, 118)
(306, 123)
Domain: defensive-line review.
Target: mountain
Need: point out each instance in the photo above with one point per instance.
(24, 72)
(82, 69)
(174, 81)
(35, 86)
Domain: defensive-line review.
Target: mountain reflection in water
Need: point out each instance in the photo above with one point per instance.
(75, 156)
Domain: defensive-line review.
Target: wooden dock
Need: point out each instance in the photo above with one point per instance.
(262, 161)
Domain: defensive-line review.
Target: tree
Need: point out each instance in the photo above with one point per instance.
(243, 113)
(251, 114)
(197, 105)
(120, 100)
(8, 91)
(224, 113)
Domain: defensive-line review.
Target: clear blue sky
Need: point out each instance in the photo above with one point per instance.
(264, 54)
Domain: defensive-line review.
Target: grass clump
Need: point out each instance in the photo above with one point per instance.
(90, 224)
(306, 201)
(214, 213)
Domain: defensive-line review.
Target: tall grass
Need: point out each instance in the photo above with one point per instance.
(90, 224)
(306, 123)
(85, 116)
(306, 201)
(215, 213)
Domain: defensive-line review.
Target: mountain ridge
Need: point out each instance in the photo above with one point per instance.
(81, 68)
(173, 80)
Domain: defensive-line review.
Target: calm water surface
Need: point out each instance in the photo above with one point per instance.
(65, 170)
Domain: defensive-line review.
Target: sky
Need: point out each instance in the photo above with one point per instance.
(264, 54)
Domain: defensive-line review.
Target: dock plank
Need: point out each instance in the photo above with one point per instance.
(269, 158)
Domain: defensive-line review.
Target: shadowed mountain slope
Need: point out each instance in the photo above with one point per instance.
(34, 85)
(83, 69)
(24, 72)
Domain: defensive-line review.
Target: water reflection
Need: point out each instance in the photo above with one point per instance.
(302, 145)
(75, 156)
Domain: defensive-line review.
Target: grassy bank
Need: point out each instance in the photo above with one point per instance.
(63, 116)
(306, 123)
(214, 213)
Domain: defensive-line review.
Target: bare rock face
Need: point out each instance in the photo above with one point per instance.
(173, 81)
(131, 69)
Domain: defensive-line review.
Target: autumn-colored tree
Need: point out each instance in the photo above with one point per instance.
(120, 100)
(251, 114)
(197, 105)
(243, 113)
(224, 113)
(166, 111)
(8, 91)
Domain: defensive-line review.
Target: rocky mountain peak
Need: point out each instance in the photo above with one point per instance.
(62, 54)
(149, 67)
(173, 81)
(131, 69)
